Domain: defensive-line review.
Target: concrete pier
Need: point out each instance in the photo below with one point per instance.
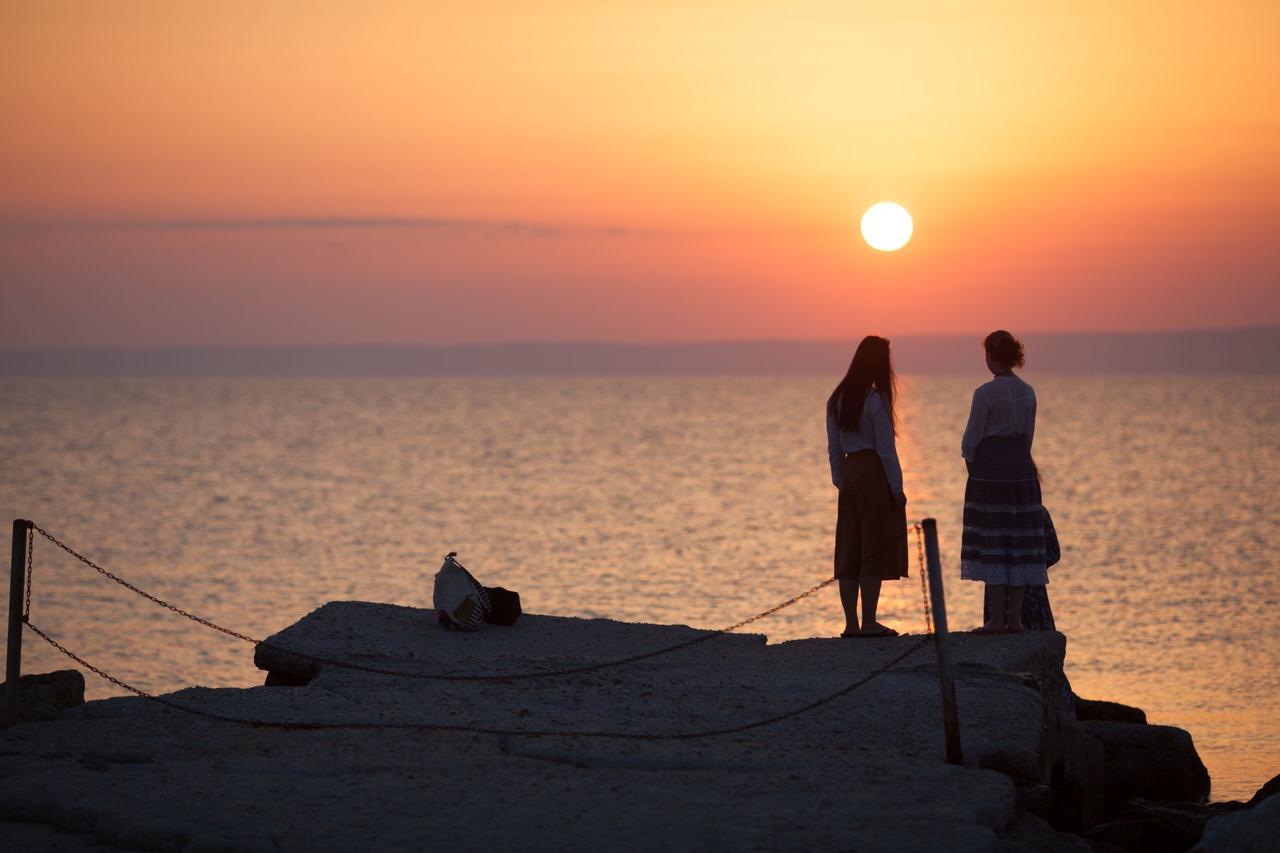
(866, 771)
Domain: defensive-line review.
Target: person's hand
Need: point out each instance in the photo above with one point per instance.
(900, 500)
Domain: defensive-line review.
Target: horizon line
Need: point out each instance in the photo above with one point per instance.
(1258, 327)
(502, 227)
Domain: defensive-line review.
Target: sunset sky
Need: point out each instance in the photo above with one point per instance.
(328, 173)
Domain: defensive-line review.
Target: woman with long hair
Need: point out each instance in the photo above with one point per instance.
(871, 542)
(1004, 543)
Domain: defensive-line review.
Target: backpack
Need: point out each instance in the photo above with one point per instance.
(461, 602)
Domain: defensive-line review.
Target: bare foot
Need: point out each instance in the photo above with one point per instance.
(877, 630)
(990, 629)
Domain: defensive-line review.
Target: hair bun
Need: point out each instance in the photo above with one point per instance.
(1004, 348)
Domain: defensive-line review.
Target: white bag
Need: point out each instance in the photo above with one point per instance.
(461, 602)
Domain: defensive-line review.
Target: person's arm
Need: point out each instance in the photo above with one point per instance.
(973, 433)
(1031, 421)
(834, 452)
(886, 446)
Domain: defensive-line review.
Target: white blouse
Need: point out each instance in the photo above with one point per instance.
(1004, 406)
(875, 432)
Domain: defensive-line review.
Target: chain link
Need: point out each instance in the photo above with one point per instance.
(31, 545)
(445, 727)
(577, 670)
(117, 682)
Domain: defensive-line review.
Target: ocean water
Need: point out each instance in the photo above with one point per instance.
(689, 500)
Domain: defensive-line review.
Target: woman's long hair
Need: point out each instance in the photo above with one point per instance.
(871, 368)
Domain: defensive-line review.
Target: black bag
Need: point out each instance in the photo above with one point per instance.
(504, 606)
(1052, 550)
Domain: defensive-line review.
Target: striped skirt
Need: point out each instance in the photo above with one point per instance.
(1004, 530)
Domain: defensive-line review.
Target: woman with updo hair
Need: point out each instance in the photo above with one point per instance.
(1004, 541)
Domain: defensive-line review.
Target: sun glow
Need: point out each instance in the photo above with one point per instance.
(886, 226)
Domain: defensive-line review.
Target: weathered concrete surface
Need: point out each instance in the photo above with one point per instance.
(408, 639)
(41, 838)
(864, 771)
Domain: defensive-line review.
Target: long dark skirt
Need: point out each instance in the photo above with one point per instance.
(871, 533)
(1004, 533)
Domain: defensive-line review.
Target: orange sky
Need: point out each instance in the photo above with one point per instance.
(325, 173)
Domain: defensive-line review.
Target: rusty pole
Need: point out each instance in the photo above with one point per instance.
(13, 661)
(941, 643)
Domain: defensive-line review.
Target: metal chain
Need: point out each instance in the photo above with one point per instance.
(924, 580)
(124, 583)
(445, 727)
(31, 546)
(121, 684)
(578, 670)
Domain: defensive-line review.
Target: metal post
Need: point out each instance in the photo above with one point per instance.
(941, 643)
(13, 662)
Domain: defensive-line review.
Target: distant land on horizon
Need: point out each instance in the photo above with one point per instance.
(1248, 350)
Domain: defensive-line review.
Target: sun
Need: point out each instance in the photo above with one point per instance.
(886, 226)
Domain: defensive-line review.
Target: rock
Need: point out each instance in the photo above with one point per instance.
(1150, 762)
(1146, 826)
(285, 679)
(1271, 788)
(1143, 834)
(44, 697)
(1027, 833)
(1074, 764)
(1253, 830)
(1114, 712)
(1036, 800)
(1104, 847)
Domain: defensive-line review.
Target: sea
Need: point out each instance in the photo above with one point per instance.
(698, 500)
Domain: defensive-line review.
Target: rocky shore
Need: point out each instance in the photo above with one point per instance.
(865, 771)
